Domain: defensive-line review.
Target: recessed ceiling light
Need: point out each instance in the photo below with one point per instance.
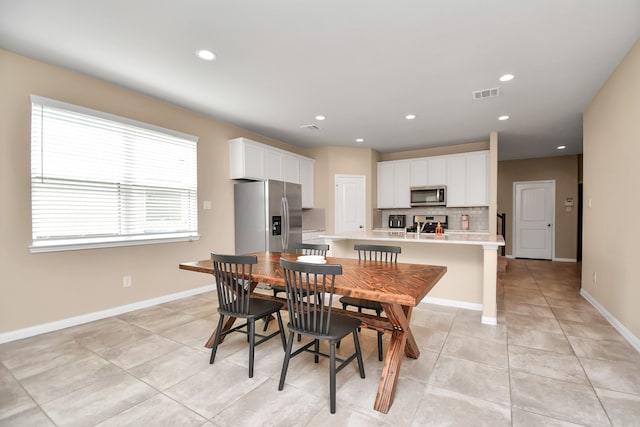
(360, 140)
(206, 55)
(320, 117)
(410, 116)
(503, 117)
(561, 147)
(507, 77)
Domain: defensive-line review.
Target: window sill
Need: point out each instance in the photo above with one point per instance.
(97, 243)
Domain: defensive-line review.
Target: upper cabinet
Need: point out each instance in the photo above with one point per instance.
(394, 180)
(468, 179)
(255, 161)
(466, 176)
(428, 171)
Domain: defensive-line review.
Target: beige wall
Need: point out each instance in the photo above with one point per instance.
(436, 151)
(334, 160)
(44, 287)
(611, 179)
(562, 169)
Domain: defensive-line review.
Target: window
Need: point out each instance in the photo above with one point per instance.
(100, 180)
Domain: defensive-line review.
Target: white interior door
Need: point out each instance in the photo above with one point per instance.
(350, 202)
(533, 212)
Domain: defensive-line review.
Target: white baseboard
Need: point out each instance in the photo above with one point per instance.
(486, 320)
(633, 340)
(97, 315)
(452, 303)
(554, 259)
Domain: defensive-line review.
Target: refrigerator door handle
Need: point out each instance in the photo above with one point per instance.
(285, 224)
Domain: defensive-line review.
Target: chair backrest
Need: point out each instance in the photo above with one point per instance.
(311, 249)
(309, 290)
(233, 281)
(377, 252)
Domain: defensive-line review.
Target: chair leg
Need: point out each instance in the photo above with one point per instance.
(252, 344)
(282, 337)
(316, 348)
(267, 319)
(332, 376)
(214, 348)
(356, 344)
(285, 362)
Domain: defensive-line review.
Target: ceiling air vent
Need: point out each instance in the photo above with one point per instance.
(310, 127)
(486, 93)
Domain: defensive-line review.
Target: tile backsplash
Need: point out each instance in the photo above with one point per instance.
(313, 219)
(478, 216)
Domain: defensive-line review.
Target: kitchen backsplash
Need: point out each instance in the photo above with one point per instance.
(478, 216)
(313, 219)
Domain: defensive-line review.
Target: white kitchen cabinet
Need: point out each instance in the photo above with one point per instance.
(477, 179)
(385, 185)
(306, 167)
(255, 161)
(427, 171)
(273, 165)
(437, 170)
(394, 182)
(419, 172)
(291, 169)
(456, 180)
(468, 179)
(246, 160)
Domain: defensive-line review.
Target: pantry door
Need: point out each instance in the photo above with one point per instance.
(534, 215)
(350, 203)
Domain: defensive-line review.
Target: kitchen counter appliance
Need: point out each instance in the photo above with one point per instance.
(429, 196)
(429, 223)
(397, 221)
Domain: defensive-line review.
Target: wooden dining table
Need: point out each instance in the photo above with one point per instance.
(399, 287)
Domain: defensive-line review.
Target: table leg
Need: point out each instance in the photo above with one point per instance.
(402, 342)
(227, 325)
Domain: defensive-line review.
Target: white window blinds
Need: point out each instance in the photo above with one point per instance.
(102, 180)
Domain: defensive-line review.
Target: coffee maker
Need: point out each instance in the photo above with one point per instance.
(397, 221)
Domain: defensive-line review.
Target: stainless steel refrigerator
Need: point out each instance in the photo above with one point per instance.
(268, 216)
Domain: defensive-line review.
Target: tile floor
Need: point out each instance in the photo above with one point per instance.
(552, 360)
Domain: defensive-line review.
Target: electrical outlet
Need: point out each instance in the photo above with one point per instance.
(126, 281)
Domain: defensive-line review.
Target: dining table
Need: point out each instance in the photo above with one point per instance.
(399, 287)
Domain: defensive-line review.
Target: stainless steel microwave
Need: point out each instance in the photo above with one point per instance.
(429, 196)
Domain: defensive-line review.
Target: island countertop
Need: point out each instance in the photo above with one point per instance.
(456, 238)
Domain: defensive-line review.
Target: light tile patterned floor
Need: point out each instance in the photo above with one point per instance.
(552, 360)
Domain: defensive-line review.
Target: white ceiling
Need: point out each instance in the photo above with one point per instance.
(364, 64)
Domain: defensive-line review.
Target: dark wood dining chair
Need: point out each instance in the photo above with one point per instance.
(375, 253)
(301, 249)
(233, 285)
(313, 317)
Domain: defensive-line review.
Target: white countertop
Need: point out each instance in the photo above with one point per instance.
(457, 238)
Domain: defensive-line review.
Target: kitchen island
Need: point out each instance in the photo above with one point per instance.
(471, 260)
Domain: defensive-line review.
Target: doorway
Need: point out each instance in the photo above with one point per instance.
(534, 219)
(350, 202)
